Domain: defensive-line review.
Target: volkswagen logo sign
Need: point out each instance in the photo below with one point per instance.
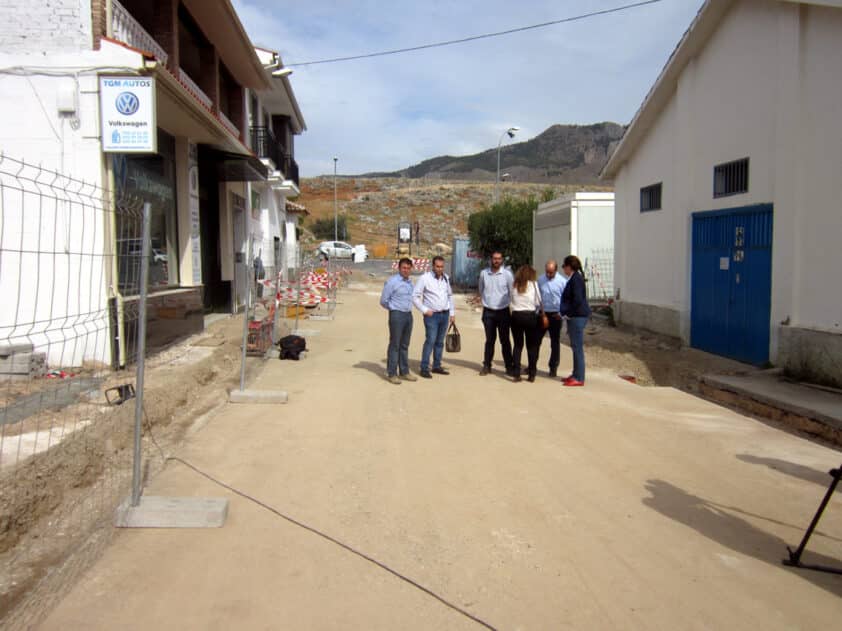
(127, 103)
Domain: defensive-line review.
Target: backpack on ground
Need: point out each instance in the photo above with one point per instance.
(291, 346)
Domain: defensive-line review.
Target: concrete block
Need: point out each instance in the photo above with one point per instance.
(172, 512)
(257, 396)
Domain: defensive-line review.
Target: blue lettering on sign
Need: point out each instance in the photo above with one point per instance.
(115, 137)
(127, 103)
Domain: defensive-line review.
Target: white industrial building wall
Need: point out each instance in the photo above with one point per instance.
(817, 260)
(765, 86)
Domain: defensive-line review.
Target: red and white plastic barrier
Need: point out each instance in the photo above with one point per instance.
(418, 265)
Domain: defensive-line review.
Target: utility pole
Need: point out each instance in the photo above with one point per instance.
(335, 207)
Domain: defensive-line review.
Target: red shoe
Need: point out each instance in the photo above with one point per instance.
(566, 379)
(574, 382)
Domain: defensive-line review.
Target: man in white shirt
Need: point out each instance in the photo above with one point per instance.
(433, 297)
(495, 289)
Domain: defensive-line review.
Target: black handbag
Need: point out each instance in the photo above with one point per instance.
(453, 340)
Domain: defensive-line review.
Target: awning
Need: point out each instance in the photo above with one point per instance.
(236, 167)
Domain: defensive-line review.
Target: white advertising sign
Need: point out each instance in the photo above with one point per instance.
(127, 112)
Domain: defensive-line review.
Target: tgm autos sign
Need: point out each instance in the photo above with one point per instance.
(127, 112)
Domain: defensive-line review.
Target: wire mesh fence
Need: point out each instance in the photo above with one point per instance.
(599, 270)
(67, 348)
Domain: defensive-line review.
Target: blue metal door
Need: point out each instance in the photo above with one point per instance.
(731, 283)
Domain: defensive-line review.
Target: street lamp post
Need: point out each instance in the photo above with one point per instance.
(335, 210)
(511, 132)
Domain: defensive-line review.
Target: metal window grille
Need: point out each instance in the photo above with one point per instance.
(730, 178)
(650, 197)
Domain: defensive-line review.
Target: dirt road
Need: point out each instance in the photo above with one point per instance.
(529, 506)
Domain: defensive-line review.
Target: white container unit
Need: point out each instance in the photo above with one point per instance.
(581, 224)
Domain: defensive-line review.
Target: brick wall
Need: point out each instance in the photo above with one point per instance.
(45, 26)
(99, 21)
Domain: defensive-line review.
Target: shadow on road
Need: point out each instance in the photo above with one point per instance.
(714, 522)
(789, 468)
(373, 367)
(499, 369)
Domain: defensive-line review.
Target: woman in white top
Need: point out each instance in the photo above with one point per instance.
(525, 304)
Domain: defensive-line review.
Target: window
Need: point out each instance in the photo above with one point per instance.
(650, 197)
(730, 178)
(147, 178)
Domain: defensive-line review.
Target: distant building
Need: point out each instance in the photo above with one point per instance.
(223, 167)
(728, 187)
(581, 224)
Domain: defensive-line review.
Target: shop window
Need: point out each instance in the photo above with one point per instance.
(139, 179)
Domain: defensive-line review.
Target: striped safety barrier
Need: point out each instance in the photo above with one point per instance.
(418, 265)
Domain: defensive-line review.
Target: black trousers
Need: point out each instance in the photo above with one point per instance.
(525, 328)
(555, 339)
(497, 321)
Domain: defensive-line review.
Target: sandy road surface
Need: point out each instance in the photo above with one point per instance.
(531, 506)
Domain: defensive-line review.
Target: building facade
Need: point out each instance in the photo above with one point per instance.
(727, 189)
(222, 164)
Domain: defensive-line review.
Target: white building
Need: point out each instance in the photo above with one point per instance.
(581, 224)
(275, 119)
(728, 188)
(222, 168)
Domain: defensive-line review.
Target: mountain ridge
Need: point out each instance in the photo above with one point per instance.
(561, 154)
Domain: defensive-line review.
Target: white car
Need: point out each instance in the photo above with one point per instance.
(342, 250)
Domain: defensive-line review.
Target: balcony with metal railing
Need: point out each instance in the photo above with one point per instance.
(129, 31)
(266, 146)
(291, 168)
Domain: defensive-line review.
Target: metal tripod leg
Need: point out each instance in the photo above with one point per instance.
(794, 559)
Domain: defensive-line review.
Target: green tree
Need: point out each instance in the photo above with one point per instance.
(505, 227)
(323, 228)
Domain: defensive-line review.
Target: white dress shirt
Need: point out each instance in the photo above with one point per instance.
(433, 294)
(530, 300)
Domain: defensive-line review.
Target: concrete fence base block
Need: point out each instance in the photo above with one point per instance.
(172, 512)
(257, 396)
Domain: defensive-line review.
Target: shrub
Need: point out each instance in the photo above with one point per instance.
(505, 227)
(323, 228)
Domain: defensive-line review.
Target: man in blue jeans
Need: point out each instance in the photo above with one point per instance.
(396, 297)
(434, 298)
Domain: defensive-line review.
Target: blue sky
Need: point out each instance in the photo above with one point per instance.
(387, 113)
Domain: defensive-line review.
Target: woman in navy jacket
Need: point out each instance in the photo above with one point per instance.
(575, 307)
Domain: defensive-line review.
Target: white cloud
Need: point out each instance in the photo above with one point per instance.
(387, 113)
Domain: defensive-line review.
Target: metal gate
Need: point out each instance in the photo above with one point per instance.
(731, 288)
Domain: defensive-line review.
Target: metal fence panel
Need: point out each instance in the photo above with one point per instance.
(65, 452)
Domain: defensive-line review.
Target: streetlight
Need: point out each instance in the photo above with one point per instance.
(511, 131)
(335, 211)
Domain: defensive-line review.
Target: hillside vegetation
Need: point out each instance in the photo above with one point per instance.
(375, 206)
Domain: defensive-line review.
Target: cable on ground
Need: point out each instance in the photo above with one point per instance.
(314, 531)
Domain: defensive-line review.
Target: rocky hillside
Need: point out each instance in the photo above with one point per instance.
(562, 154)
(375, 206)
